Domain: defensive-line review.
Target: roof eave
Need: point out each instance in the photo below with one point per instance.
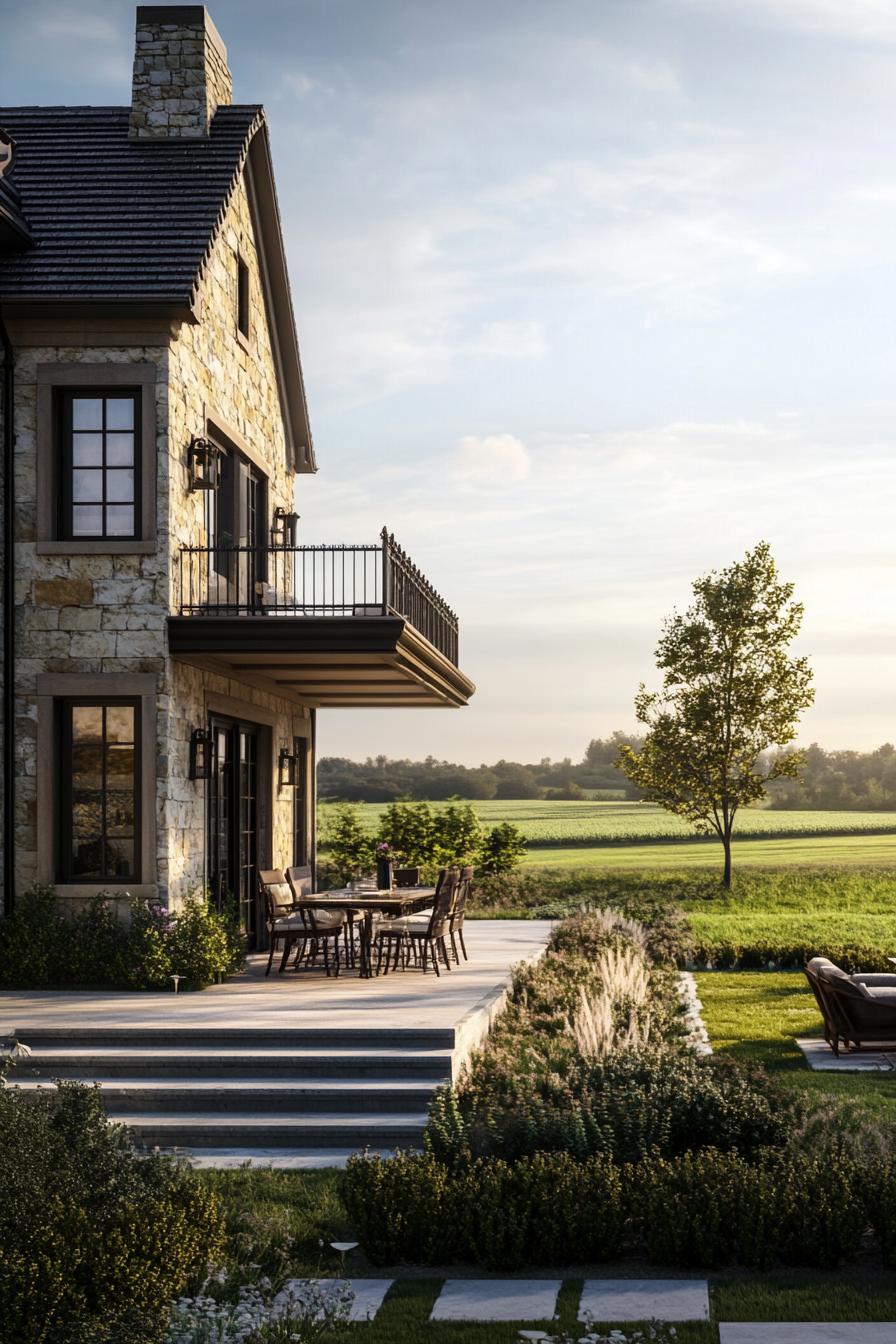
(278, 301)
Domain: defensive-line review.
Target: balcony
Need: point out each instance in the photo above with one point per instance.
(327, 625)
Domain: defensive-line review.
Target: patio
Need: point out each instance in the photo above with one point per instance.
(296, 1065)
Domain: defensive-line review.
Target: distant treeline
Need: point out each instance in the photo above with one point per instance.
(380, 780)
(831, 779)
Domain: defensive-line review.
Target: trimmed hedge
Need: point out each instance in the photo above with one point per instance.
(546, 1209)
(701, 1210)
(94, 1241)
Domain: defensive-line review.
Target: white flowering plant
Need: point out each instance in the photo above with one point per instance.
(302, 1312)
(656, 1332)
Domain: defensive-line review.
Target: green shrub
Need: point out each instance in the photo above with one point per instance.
(696, 1210)
(94, 1241)
(503, 848)
(549, 1209)
(350, 847)
(710, 1208)
(35, 942)
(627, 1106)
(44, 947)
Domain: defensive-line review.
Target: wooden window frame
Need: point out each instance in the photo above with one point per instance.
(63, 857)
(95, 688)
(64, 398)
(51, 378)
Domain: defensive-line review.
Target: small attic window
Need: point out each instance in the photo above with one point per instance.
(242, 297)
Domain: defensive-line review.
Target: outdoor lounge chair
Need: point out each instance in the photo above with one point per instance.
(284, 923)
(855, 1008)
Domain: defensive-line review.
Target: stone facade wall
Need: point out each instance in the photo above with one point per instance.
(92, 613)
(180, 73)
(214, 373)
(77, 613)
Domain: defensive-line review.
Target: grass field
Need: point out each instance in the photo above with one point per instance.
(755, 1016)
(822, 851)
(562, 824)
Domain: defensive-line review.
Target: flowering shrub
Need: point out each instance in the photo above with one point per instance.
(43, 947)
(304, 1311)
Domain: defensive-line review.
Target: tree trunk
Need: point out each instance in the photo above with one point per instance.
(726, 844)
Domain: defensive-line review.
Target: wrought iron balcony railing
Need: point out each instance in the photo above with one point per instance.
(347, 581)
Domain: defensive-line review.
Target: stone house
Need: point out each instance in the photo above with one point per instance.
(167, 638)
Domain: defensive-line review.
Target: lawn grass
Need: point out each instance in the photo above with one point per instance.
(281, 1220)
(822, 851)
(754, 1016)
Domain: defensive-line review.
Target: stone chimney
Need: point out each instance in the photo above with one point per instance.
(180, 73)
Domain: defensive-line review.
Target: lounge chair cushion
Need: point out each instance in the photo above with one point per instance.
(880, 993)
(826, 969)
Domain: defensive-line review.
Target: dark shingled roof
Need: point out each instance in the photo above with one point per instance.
(115, 220)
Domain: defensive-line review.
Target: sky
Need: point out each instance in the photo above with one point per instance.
(592, 296)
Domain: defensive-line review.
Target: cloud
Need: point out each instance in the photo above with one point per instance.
(863, 20)
(509, 340)
(495, 459)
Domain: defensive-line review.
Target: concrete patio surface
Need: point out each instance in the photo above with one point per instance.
(820, 1057)
(299, 1000)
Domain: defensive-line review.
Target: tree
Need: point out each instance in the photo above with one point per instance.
(731, 691)
(351, 848)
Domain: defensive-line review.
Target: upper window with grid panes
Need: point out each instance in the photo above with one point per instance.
(99, 464)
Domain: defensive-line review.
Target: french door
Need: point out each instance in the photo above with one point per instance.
(236, 526)
(233, 819)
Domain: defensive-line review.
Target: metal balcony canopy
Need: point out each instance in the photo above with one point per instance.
(349, 626)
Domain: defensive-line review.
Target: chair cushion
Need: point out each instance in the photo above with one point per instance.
(288, 922)
(281, 896)
(328, 919)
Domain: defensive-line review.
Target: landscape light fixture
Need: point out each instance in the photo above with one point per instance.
(200, 754)
(204, 464)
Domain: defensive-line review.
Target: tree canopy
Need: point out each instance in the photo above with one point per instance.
(731, 692)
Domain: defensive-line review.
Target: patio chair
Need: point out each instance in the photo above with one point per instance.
(406, 877)
(855, 1008)
(283, 922)
(322, 927)
(458, 912)
(422, 938)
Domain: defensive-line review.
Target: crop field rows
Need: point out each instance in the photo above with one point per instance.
(567, 826)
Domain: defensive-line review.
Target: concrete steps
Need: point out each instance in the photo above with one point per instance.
(251, 1090)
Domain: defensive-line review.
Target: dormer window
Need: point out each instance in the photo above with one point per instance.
(242, 299)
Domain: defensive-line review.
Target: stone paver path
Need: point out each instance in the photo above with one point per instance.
(819, 1056)
(497, 1300)
(645, 1300)
(368, 1294)
(809, 1332)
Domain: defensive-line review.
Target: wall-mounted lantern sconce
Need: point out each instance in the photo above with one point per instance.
(200, 754)
(204, 464)
(284, 527)
(289, 768)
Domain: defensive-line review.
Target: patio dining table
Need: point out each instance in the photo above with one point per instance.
(398, 901)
